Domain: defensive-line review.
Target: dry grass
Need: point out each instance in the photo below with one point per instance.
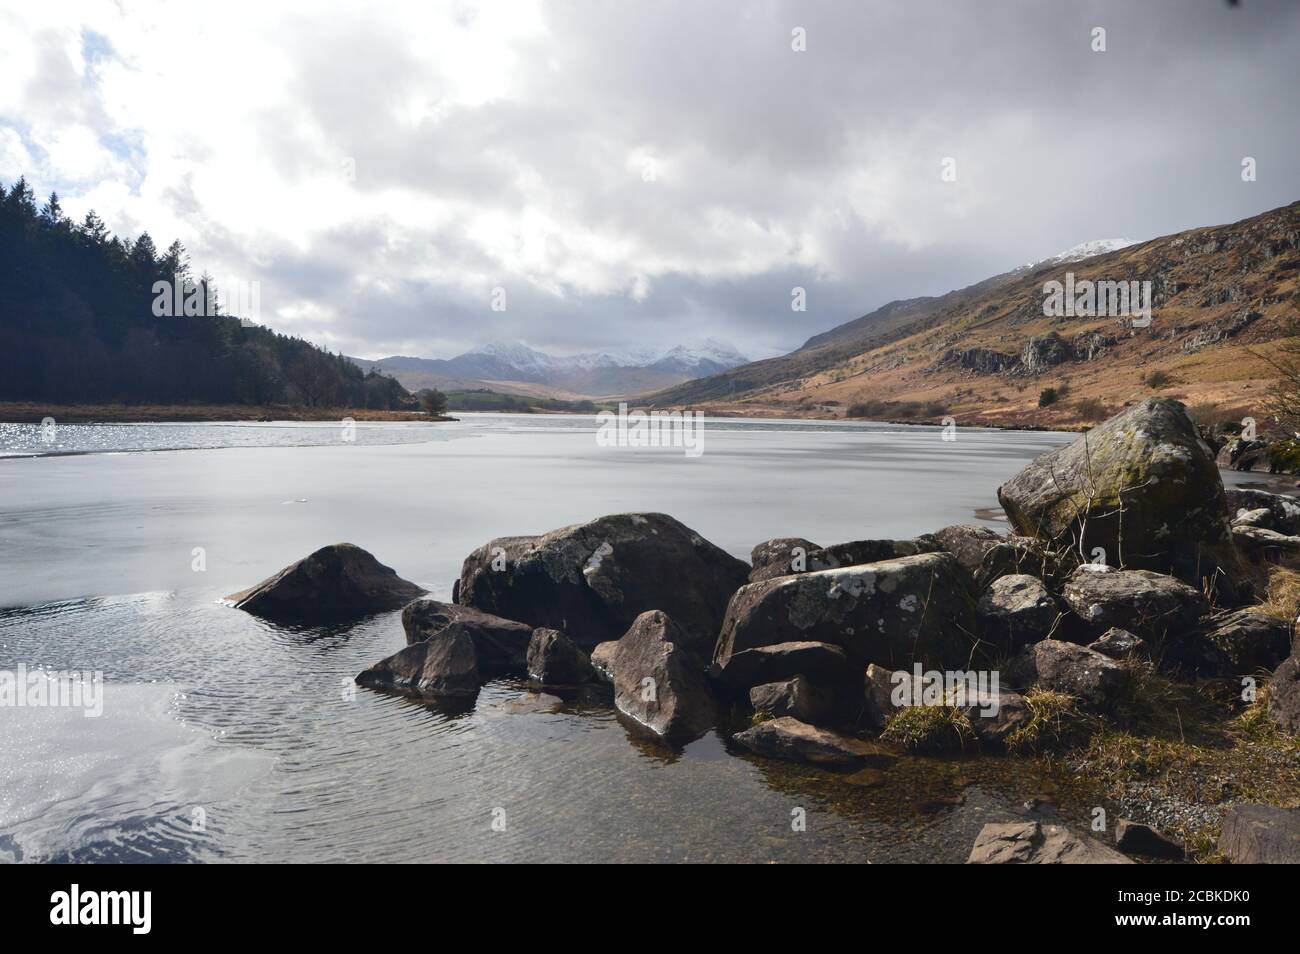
(1282, 593)
(929, 729)
(1055, 722)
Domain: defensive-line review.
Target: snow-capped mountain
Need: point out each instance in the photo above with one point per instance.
(1081, 251)
(597, 373)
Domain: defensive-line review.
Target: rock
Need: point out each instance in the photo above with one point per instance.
(501, 644)
(602, 659)
(1015, 610)
(1261, 835)
(1036, 843)
(1139, 839)
(916, 608)
(1283, 510)
(1095, 680)
(1260, 541)
(780, 557)
(1284, 695)
(1263, 517)
(968, 543)
(797, 697)
(1174, 514)
(993, 727)
(1117, 644)
(878, 701)
(593, 580)
(788, 738)
(1250, 639)
(1150, 605)
(657, 682)
(823, 662)
(554, 660)
(337, 582)
(444, 665)
(858, 552)
(1017, 554)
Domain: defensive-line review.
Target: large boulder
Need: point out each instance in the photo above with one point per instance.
(788, 738)
(1143, 486)
(780, 557)
(501, 644)
(1284, 695)
(1095, 680)
(1015, 610)
(826, 663)
(592, 580)
(1261, 835)
(1150, 605)
(657, 682)
(554, 660)
(337, 582)
(798, 697)
(445, 666)
(895, 612)
(1251, 639)
(1035, 843)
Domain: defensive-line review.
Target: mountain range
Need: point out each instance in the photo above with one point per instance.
(1222, 297)
(513, 367)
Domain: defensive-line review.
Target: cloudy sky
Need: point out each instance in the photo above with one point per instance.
(636, 174)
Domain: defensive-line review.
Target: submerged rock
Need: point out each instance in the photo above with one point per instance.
(657, 682)
(1261, 835)
(797, 697)
(894, 612)
(593, 580)
(1143, 486)
(1095, 680)
(337, 582)
(788, 738)
(501, 644)
(1016, 609)
(444, 665)
(554, 660)
(1035, 843)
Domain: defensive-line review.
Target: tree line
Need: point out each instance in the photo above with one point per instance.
(78, 325)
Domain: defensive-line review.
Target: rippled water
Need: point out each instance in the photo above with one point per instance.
(210, 714)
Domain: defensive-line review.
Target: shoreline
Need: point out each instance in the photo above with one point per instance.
(34, 412)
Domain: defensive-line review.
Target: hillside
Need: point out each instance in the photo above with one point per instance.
(984, 354)
(78, 325)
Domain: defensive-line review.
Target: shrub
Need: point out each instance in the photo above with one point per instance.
(1159, 379)
(1090, 409)
(1047, 397)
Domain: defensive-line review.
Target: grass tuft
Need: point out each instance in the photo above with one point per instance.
(929, 729)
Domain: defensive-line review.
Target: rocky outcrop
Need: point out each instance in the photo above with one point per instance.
(892, 613)
(337, 582)
(1044, 353)
(1284, 511)
(1284, 695)
(657, 682)
(1151, 605)
(501, 644)
(554, 660)
(1097, 681)
(1118, 644)
(825, 663)
(593, 580)
(1016, 610)
(1143, 486)
(1139, 839)
(1035, 843)
(968, 543)
(445, 665)
(788, 738)
(1251, 640)
(1260, 835)
(798, 697)
(780, 557)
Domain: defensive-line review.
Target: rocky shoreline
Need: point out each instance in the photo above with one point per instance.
(1128, 611)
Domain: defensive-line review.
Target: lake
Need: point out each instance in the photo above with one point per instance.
(227, 738)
